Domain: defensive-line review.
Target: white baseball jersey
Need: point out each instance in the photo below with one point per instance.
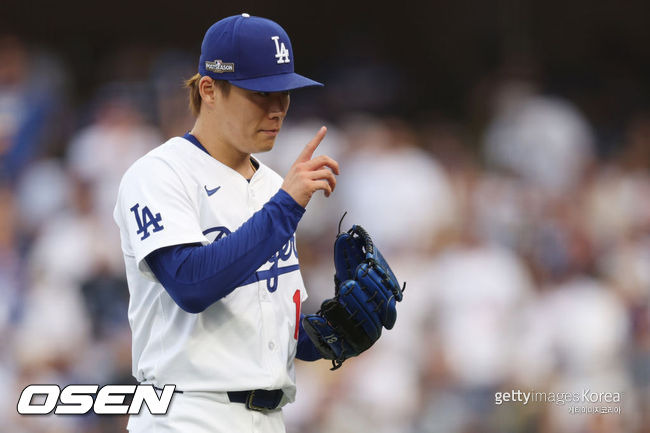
(178, 194)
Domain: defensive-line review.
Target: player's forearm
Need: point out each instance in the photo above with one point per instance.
(196, 276)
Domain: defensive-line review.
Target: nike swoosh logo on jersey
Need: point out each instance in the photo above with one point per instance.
(211, 191)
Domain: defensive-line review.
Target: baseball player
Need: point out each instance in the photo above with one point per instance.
(207, 233)
(208, 237)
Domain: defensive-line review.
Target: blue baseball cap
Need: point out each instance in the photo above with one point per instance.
(250, 52)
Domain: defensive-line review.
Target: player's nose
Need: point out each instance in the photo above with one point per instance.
(278, 104)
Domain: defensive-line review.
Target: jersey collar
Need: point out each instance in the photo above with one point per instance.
(192, 139)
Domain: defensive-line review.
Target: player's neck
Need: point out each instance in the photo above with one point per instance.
(222, 152)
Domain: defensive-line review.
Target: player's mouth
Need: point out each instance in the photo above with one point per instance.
(270, 132)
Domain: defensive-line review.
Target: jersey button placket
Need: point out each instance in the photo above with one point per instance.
(251, 202)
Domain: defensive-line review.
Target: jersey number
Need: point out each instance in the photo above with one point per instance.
(145, 220)
(296, 300)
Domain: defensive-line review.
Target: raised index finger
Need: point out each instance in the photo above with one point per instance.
(309, 149)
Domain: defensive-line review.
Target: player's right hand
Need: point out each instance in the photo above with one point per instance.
(307, 175)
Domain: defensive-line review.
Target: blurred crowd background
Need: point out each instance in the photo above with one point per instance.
(499, 153)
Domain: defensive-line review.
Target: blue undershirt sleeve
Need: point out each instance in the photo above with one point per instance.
(196, 276)
(306, 350)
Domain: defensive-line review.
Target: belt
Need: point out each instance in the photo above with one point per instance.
(258, 399)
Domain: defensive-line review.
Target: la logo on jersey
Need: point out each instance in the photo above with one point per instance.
(145, 220)
(281, 52)
(278, 260)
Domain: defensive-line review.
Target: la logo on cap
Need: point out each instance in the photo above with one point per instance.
(281, 52)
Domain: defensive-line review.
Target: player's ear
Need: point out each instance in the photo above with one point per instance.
(207, 90)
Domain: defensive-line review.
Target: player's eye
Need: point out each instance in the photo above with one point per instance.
(267, 94)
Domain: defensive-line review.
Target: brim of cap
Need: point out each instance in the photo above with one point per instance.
(276, 83)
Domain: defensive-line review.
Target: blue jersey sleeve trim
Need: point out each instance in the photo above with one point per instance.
(196, 276)
(286, 200)
(306, 349)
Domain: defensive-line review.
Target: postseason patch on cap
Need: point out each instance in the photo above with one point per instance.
(219, 67)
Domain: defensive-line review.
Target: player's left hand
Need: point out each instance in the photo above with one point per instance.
(307, 175)
(365, 300)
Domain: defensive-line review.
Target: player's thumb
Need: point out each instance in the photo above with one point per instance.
(309, 149)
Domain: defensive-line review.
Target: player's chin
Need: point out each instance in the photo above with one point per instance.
(265, 142)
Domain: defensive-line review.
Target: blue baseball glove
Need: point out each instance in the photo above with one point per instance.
(366, 293)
